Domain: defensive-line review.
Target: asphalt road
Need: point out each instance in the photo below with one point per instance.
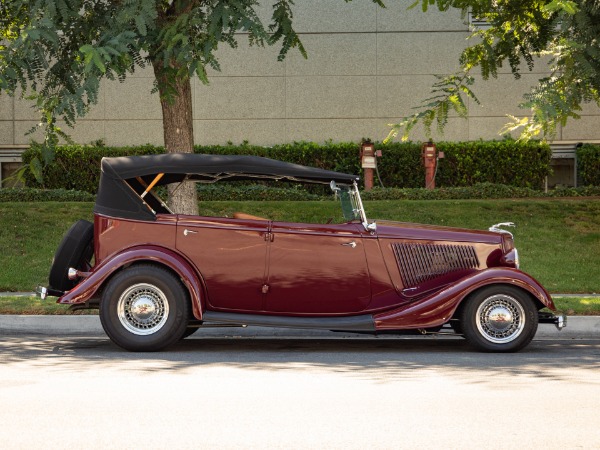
(84, 392)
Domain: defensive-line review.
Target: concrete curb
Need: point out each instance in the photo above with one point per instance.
(578, 327)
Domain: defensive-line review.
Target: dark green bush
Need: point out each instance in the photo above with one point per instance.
(78, 166)
(477, 191)
(508, 162)
(222, 191)
(588, 165)
(587, 191)
(466, 163)
(228, 192)
(43, 195)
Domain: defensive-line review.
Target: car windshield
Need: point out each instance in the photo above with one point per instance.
(350, 208)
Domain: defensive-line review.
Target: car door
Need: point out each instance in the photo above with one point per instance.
(316, 269)
(231, 257)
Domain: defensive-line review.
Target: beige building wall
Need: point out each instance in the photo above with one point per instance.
(367, 67)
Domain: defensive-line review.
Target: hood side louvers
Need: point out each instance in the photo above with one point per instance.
(424, 262)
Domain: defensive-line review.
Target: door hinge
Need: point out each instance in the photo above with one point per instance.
(269, 237)
(265, 288)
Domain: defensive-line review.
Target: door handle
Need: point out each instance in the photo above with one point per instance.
(349, 244)
(186, 232)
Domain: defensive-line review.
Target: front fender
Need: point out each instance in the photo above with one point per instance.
(438, 308)
(90, 285)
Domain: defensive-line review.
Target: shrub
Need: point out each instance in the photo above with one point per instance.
(508, 162)
(466, 163)
(222, 191)
(477, 191)
(225, 192)
(43, 195)
(588, 165)
(78, 166)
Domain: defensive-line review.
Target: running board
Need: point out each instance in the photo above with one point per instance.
(354, 323)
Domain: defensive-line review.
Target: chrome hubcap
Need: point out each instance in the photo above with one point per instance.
(143, 309)
(500, 319)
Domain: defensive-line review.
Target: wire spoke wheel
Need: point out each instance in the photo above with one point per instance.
(143, 309)
(500, 318)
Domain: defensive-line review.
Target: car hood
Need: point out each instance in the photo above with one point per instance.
(387, 229)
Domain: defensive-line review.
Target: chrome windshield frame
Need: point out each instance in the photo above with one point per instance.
(370, 227)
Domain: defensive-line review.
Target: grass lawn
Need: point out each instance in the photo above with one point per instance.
(558, 239)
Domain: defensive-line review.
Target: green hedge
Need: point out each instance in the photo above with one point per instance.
(477, 191)
(520, 164)
(43, 195)
(77, 166)
(466, 163)
(230, 192)
(222, 191)
(588, 165)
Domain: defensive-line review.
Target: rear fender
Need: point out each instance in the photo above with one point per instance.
(90, 285)
(438, 308)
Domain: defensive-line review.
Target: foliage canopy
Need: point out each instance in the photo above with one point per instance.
(565, 32)
(56, 52)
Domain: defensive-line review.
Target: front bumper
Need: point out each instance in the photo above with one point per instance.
(559, 321)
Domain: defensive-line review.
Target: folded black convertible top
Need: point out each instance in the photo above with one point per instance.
(122, 178)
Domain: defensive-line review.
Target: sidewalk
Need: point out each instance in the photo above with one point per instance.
(578, 327)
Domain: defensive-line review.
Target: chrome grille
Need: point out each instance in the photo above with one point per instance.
(423, 262)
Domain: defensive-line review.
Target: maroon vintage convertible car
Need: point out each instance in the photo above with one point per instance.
(157, 276)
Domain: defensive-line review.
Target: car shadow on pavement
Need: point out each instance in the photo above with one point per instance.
(373, 358)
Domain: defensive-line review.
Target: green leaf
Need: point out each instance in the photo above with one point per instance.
(98, 62)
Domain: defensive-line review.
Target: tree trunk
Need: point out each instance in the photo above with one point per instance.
(179, 133)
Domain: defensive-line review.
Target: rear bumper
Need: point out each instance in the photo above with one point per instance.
(560, 321)
(43, 292)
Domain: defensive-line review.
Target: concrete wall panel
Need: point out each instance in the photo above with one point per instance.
(331, 97)
(335, 16)
(84, 132)
(24, 109)
(356, 129)
(131, 100)
(133, 132)
(335, 54)
(249, 61)
(397, 17)
(590, 109)
(585, 128)
(457, 129)
(260, 132)
(419, 53)
(23, 126)
(501, 96)
(6, 132)
(336, 129)
(6, 107)
(488, 128)
(240, 98)
(397, 96)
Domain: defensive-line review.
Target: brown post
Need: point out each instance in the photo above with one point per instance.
(368, 162)
(368, 179)
(429, 157)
